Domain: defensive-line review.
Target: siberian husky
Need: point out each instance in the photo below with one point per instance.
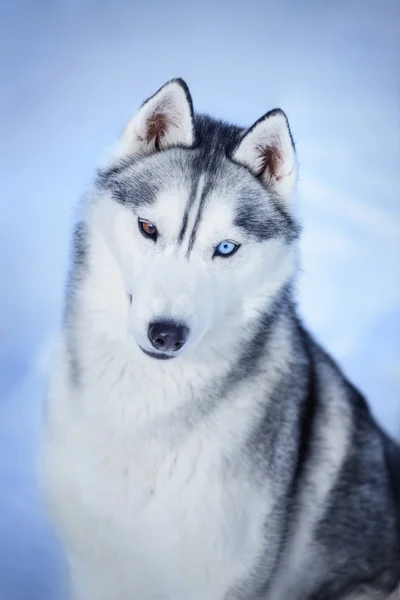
(199, 444)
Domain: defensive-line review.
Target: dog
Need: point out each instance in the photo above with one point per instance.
(198, 443)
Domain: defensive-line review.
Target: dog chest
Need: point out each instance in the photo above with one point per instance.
(157, 502)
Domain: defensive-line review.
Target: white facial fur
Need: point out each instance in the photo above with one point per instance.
(203, 292)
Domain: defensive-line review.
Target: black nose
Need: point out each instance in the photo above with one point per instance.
(167, 335)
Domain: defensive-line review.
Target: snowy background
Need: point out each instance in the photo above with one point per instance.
(72, 73)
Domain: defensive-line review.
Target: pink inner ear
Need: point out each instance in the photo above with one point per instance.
(157, 126)
(271, 160)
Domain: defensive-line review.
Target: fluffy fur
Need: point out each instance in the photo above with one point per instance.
(242, 466)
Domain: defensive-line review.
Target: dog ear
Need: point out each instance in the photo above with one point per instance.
(163, 121)
(267, 150)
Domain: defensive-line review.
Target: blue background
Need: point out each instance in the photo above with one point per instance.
(73, 73)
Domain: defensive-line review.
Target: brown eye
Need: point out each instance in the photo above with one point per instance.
(148, 229)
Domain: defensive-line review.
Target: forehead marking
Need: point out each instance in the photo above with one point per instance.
(193, 195)
(202, 192)
(192, 206)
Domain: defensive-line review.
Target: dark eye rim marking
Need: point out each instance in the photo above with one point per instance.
(153, 235)
(218, 254)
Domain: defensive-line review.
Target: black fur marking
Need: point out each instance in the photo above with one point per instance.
(291, 228)
(204, 194)
(104, 176)
(392, 459)
(215, 141)
(302, 435)
(189, 204)
(262, 224)
(255, 222)
(307, 420)
(344, 584)
(361, 512)
(130, 188)
(282, 426)
(253, 351)
(185, 218)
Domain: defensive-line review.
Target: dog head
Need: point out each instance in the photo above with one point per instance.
(199, 219)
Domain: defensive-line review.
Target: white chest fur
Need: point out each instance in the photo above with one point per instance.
(151, 503)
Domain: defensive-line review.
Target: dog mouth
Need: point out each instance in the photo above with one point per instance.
(157, 355)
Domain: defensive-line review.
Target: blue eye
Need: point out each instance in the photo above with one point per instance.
(226, 248)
